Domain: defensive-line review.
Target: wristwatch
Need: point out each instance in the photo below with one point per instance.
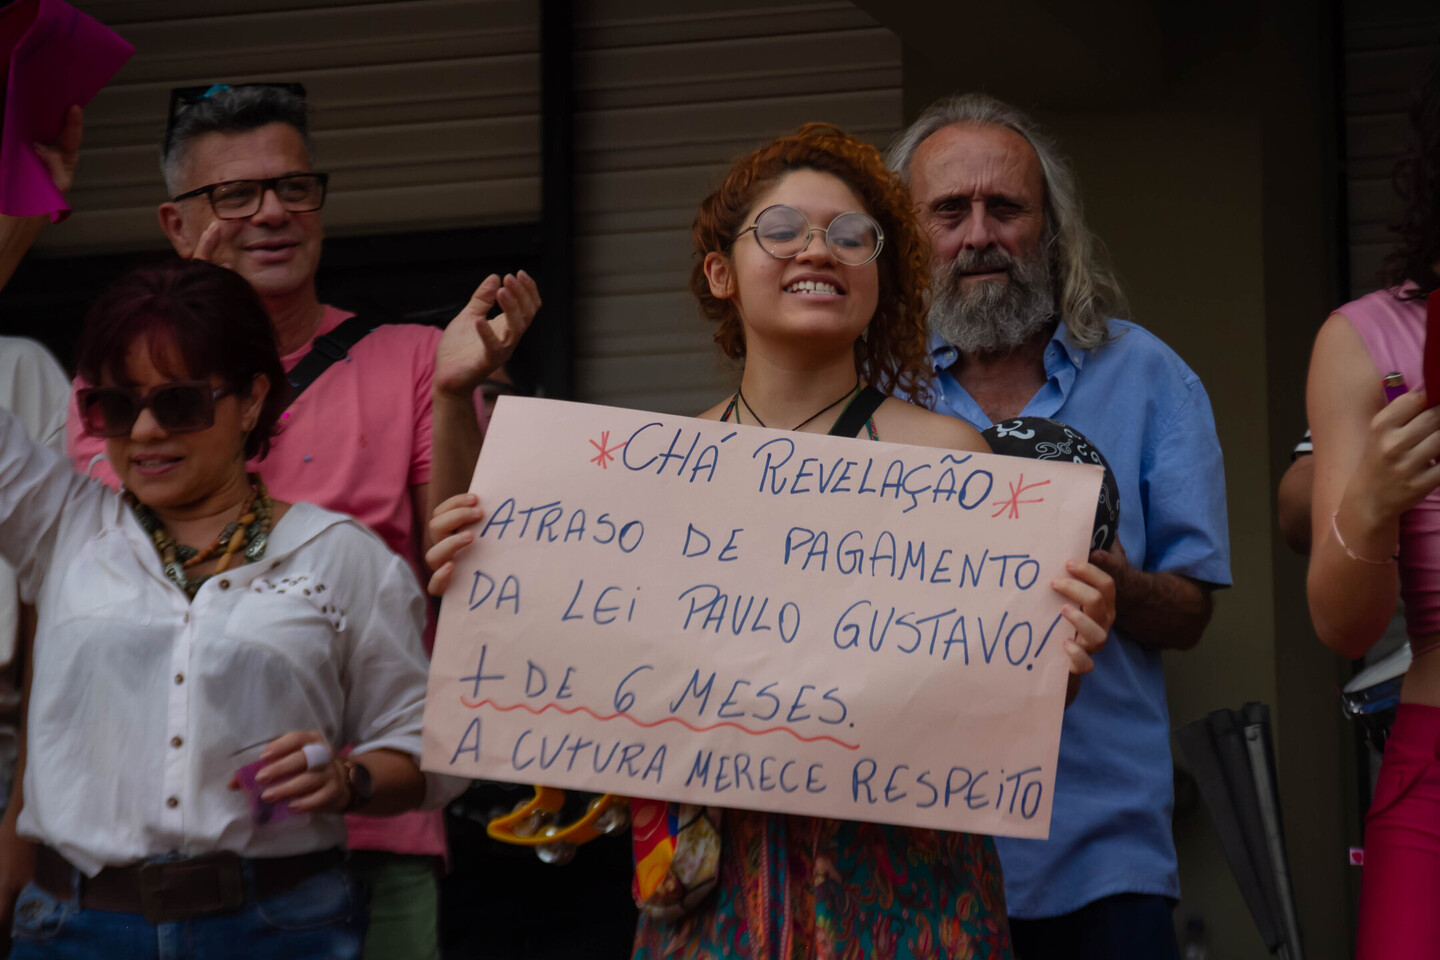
(362, 788)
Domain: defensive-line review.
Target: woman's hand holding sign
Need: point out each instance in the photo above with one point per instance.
(1090, 590)
(448, 533)
(1091, 613)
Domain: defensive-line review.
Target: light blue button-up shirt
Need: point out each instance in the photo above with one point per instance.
(1149, 415)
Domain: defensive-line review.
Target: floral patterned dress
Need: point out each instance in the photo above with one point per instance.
(804, 888)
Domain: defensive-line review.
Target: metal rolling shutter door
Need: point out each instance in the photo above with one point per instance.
(668, 95)
(426, 112)
(427, 115)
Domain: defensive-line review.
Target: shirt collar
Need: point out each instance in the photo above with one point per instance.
(1060, 349)
(1058, 352)
(302, 523)
(1062, 365)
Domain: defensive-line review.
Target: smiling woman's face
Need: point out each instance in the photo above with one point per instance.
(176, 470)
(812, 296)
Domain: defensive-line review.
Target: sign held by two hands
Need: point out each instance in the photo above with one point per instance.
(723, 614)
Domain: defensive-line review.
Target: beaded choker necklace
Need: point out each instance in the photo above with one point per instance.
(250, 532)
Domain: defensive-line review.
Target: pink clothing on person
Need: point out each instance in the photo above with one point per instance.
(1394, 333)
(1400, 883)
(356, 442)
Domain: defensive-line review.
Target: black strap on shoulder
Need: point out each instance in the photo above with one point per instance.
(326, 350)
(859, 410)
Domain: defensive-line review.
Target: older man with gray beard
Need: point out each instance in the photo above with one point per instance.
(1022, 325)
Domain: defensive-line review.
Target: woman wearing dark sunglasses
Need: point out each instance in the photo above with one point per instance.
(809, 260)
(203, 653)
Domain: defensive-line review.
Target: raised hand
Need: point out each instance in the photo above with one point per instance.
(61, 156)
(59, 159)
(473, 347)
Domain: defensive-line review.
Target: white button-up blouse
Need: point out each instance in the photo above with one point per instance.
(143, 705)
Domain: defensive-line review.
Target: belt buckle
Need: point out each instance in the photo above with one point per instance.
(210, 884)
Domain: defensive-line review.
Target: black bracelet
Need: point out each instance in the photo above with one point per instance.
(360, 784)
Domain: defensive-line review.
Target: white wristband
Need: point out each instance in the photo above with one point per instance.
(316, 755)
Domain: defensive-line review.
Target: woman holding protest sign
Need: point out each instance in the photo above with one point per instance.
(822, 324)
(203, 653)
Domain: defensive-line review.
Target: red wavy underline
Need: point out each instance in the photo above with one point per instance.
(641, 723)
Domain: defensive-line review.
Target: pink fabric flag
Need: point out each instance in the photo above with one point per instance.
(55, 56)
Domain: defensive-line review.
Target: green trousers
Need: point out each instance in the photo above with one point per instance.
(404, 905)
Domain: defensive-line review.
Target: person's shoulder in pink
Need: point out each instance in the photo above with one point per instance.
(358, 439)
(1391, 323)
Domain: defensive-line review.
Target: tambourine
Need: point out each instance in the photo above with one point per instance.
(1040, 438)
(556, 822)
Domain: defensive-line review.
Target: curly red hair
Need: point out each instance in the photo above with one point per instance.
(894, 352)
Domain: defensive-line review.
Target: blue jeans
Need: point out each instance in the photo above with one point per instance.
(323, 918)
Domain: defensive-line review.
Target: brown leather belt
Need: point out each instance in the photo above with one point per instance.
(169, 891)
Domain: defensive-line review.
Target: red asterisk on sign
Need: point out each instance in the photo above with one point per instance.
(607, 452)
(1012, 505)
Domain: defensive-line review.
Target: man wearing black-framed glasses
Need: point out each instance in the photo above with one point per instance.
(242, 193)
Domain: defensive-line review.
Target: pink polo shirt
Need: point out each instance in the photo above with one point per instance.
(356, 441)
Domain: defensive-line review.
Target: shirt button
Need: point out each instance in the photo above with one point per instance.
(179, 678)
(172, 802)
(186, 618)
(176, 742)
(224, 584)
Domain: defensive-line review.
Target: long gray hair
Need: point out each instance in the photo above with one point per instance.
(1087, 292)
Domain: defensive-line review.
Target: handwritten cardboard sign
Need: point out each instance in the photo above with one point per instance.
(697, 611)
